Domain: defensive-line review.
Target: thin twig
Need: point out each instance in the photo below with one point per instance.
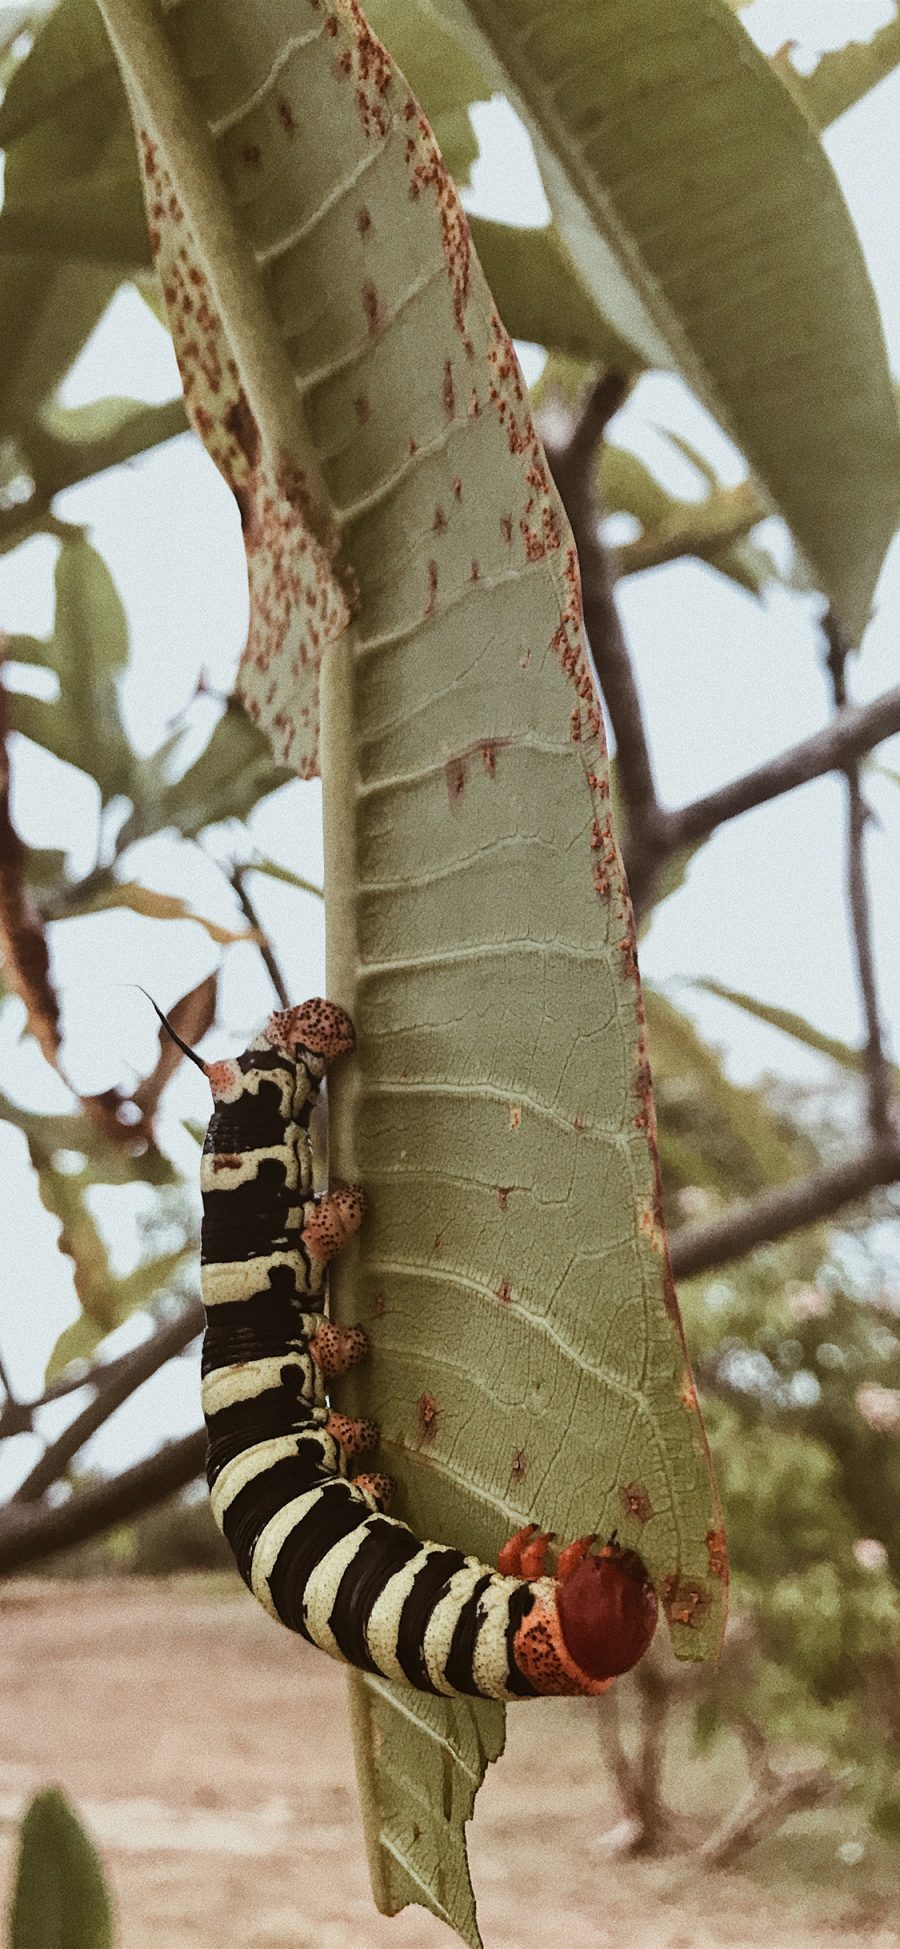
(774, 1214)
(574, 468)
(29, 1534)
(114, 1383)
(849, 737)
(878, 1070)
(250, 914)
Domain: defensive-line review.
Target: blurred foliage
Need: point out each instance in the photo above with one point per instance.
(798, 1362)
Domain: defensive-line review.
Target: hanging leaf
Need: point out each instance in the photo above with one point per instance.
(540, 296)
(88, 652)
(190, 1017)
(231, 775)
(160, 906)
(705, 217)
(371, 418)
(60, 1899)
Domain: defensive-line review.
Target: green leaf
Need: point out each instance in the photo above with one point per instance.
(541, 297)
(60, 121)
(234, 771)
(713, 1133)
(88, 651)
(843, 75)
(792, 1024)
(706, 219)
(513, 1262)
(76, 1342)
(60, 1900)
(275, 871)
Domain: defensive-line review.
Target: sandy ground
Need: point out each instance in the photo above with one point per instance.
(209, 1754)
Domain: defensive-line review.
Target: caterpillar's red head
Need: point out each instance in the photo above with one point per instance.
(317, 1026)
(607, 1612)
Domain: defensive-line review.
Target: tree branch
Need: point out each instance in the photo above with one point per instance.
(29, 1534)
(774, 1214)
(115, 1381)
(574, 468)
(249, 911)
(699, 528)
(850, 736)
(878, 1071)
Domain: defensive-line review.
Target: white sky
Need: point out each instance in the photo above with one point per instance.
(763, 909)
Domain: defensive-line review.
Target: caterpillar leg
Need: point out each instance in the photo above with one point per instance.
(525, 1554)
(332, 1219)
(574, 1553)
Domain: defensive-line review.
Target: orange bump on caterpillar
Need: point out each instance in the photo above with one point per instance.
(333, 1219)
(379, 1488)
(336, 1349)
(354, 1436)
(321, 1027)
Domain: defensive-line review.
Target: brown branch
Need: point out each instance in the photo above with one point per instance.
(114, 1382)
(247, 908)
(775, 1214)
(574, 468)
(29, 1534)
(878, 1070)
(769, 1800)
(850, 736)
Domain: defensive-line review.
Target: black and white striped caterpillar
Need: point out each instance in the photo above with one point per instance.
(313, 1544)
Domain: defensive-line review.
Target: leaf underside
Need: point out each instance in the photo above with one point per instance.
(409, 555)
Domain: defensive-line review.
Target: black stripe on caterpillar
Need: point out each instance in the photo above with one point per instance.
(315, 1545)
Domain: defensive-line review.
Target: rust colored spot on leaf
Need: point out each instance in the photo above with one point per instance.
(685, 1601)
(474, 572)
(427, 1417)
(363, 221)
(503, 1191)
(717, 1553)
(457, 487)
(636, 1502)
(448, 394)
(504, 1292)
(519, 1466)
(240, 421)
(438, 1243)
(506, 528)
(286, 115)
(489, 757)
(251, 154)
(455, 774)
(515, 1115)
(431, 596)
(440, 521)
(331, 25)
(361, 408)
(371, 306)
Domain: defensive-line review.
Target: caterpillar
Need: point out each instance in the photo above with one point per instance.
(313, 1543)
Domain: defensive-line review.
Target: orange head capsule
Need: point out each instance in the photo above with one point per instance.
(607, 1611)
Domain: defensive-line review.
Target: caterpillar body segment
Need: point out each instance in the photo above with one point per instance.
(316, 1547)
